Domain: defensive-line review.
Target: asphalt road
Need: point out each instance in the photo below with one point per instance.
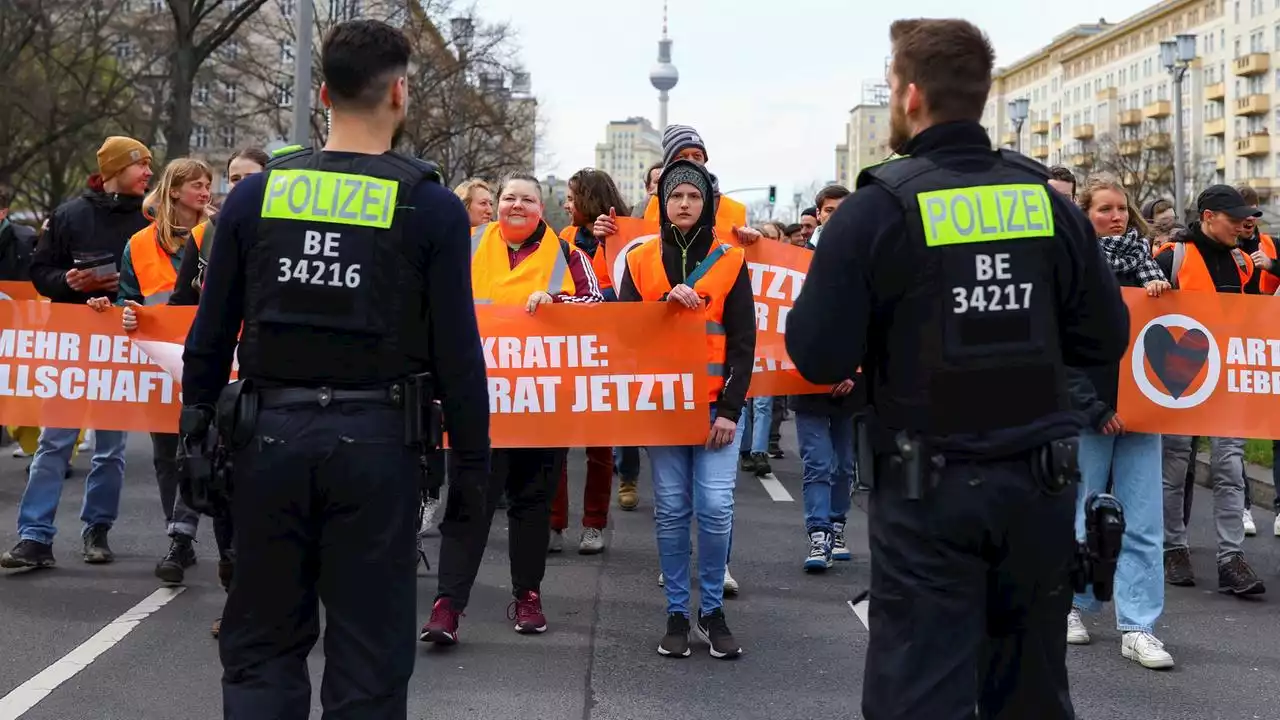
(804, 644)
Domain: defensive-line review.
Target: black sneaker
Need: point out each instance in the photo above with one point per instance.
(762, 464)
(173, 566)
(225, 568)
(715, 631)
(1235, 577)
(1177, 567)
(676, 642)
(775, 451)
(96, 549)
(28, 554)
(746, 462)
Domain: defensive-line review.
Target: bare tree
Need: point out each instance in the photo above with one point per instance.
(200, 27)
(1144, 165)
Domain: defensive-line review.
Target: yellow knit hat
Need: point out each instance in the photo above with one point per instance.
(118, 153)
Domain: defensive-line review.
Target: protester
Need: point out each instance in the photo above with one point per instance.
(477, 197)
(1112, 459)
(179, 208)
(808, 223)
(1209, 259)
(650, 189)
(591, 193)
(76, 259)
(515, 261)
(795, 234)
(827, 200)
(686, 266)
(17, 242)
(1063, 180)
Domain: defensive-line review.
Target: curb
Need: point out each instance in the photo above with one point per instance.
(1261, 488)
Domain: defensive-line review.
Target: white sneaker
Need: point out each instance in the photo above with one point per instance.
(591, 542)
(730, 585)
(1146, 650)
(18, 452)
(556, 543)
(1277, 528)
(662, 581)
(1077, 633)
(1249, 528)
(87, 443)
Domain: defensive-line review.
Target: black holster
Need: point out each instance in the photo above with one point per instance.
(205, 453)
(423, 416)
(1056, 466)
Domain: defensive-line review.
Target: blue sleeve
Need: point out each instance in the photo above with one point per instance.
(128, 289)
(211, 343)
(827, 328)
(443, 226)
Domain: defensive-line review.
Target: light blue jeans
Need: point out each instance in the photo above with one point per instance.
(1135, 461)
(690, 480)
(826, 449)
(757, 414)
(49, 470)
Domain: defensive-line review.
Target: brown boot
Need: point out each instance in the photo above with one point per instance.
(628, 497)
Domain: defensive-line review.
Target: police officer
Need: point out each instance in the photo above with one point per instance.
(349, 268)
(964, 288)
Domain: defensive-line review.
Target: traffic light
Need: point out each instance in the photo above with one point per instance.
(773, 194)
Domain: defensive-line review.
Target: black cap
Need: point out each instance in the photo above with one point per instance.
(1224, 198)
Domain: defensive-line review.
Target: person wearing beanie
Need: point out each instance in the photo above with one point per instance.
(687, 266)
(682, 142)
(77, 258)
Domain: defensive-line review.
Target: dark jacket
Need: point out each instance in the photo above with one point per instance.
(739, 305)
(826, 404)
(1217, 258)
(93, 222)
(17, 243)
(186, 290)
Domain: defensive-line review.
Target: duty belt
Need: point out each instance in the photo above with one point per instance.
(323, 396)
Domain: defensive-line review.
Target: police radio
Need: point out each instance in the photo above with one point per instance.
(1095, 562)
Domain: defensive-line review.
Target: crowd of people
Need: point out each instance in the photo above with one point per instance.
(153, 235)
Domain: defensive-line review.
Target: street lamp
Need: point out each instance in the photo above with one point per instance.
(1176, 56)
(1018, 111)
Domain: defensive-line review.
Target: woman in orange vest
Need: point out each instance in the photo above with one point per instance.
(179, 208)
(590, 193)
(687, 266)
(516, 261)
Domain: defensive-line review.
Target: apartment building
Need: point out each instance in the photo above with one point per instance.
(866, 141)
(630, 147)
(1100, 97)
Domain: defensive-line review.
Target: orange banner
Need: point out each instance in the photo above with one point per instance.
(777, 273)
(16, 290)
(1201, 364)
(571, 376)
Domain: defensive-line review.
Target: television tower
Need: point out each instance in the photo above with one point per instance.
(664, 75)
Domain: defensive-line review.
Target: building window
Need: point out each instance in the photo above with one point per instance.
(200, 137)
(230, 49)
(288, 8)
(230, 91)
(202, 93)
(157, 6)
(286, 51)
(228, 134)
(284, 95)
(124, 49)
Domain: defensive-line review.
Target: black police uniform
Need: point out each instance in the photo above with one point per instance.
(325, 498)
(971, 286)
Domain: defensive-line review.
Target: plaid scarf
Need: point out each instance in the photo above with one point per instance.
(1130, 257)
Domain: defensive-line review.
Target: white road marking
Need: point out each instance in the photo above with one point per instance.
(28, 694)
(861, 610)
(776, 491)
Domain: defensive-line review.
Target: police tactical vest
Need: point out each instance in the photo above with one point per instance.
(335, 295)
(972, 343)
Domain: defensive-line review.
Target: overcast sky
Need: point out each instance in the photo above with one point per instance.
(768, 83)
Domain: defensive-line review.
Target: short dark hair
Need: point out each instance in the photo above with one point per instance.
(811, 212)
(255, 154)
(648, 174)
(1062, 174)
(1249, 194)
(950, 61)
(519, 176)
(792, 229)
(594, 192)
(359, 58)
(830, 192)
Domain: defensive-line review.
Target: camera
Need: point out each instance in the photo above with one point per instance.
(1095, 563)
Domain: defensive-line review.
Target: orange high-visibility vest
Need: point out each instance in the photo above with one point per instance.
(1190, 271)
(493, 280)
(153, 266)
(729, 212)
(1268, 284)
(650, 278)
(598, 261)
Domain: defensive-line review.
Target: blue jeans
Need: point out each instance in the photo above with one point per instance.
(826, 449)
(689, 480)
(757, 415)
(49, 469)
(1135, 461)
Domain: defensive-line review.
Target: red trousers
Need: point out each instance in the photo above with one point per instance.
(595, 496)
